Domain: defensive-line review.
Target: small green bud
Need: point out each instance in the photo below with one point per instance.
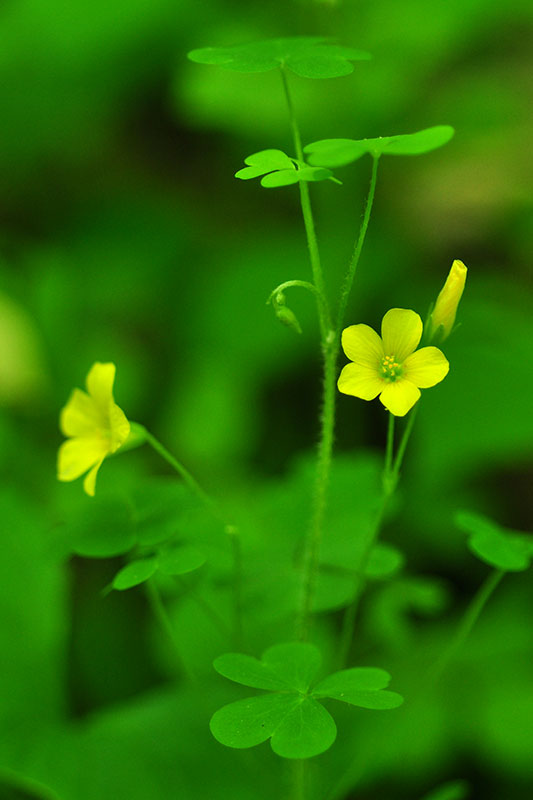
(287, 317)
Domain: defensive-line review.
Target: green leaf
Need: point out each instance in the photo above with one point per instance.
(135, 573)
(269, 160)
(359, 686)
(247, 723)
(104, 529)
(494, 545)
(339, 152)
(306, 731)
(454, 790)
(384, 561)
(180, 559)
(249, 671)
(307, 56)
(160, 509)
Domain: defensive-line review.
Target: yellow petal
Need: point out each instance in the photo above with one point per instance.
(360, 381)
(362, 345)
(76, 456)
(426, 367)
(401, 330)
(89, 482)
(80, 416)
(399, 397)
(445, 309)
(100, 384)
(119, 427)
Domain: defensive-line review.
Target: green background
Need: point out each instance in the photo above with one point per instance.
(124, 237)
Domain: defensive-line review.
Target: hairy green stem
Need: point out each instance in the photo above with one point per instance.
(354, 261)
(468, 621)
(391, 474)
(322, 309)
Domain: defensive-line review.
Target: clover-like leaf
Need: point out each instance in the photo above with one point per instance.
(307, 56)
(359, 686)
(134, 573)
(291, 716)
(453, 790)
(278, 169)
(496, 546)
(339, 152)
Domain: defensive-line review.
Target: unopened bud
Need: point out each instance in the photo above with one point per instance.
(288, 318)
(442, 318)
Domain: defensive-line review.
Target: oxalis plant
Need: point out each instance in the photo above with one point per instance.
(168, 532)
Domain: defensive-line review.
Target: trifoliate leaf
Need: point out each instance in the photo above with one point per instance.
(180, 559)
(105, 528)
(134, 573)
(454, 790)
(339, 152)
(359, 686)
(384, 561)
(494, 545)
(307, 56)
(279, 169)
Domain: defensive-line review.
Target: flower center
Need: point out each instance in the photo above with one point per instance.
(390, 369)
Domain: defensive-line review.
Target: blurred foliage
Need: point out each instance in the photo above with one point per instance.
(124, 236)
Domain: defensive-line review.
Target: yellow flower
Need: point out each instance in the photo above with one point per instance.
(444, 313)
(388, 366)
(96, 425)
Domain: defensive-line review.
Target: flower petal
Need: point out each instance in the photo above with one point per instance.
(77, 455)
(119, 427)
(426, 367)
(89, 482)
(401, 330)
(360, 381)
(80, 416)
(399, 397)
(100, 384)
(362, 345)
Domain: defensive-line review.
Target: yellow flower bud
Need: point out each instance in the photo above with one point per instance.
(442, 318)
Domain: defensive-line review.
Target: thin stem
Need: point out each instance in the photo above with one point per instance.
(354, 261)
(180, 469)
(156, 604)
(303, 285)
(469, 619)
(391, 473)
(325, 449)
(231, 530)
(206, 607)
(314, 255)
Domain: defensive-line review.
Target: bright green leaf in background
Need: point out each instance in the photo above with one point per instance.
(298, 725)
(496, 546)
(307, 56)
(339, 152)
(280, 170)
(135, 573)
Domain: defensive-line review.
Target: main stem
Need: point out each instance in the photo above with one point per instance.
(327, 417)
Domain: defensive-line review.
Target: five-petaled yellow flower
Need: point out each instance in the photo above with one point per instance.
(96, 425)
(388, 366)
